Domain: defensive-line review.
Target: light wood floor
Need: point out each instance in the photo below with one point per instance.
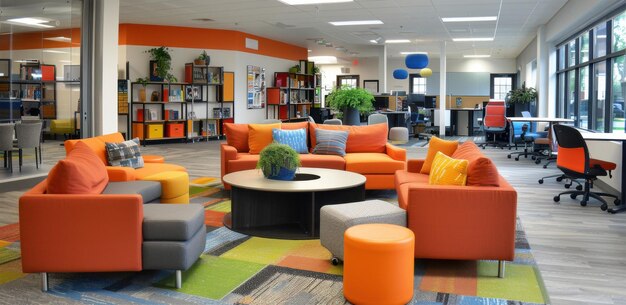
(581, 251)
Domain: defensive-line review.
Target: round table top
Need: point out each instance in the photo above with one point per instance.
(330, 179)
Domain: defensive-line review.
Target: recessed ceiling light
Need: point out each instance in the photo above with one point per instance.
(59, 38)
(323, 59)
(28, 21)
(307, 2)
(477, 56)
(309, 50)
(397, 41)
(54, 51)
(356, 22)
(469, 19)
(408, 53)
(473, 39)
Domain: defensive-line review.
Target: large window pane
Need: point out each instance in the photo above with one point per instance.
(561, 95)
(501, 87)
(599, 85)
(571, 95)
(619, 93)
(584, 47)
(619, 32)
(561, 56)
(583, 97)
(571, 53)
(599, 40)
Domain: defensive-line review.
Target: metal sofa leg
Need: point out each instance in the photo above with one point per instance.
(501, 267)
(44, 281)
(179, 279)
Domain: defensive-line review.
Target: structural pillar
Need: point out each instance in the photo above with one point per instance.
(442, 90)
(543, 79)
(382, 73)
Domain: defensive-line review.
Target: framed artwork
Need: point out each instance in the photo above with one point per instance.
(371, 85)
(211, 128)
(154, 77)
(256, 87)
(193, 93)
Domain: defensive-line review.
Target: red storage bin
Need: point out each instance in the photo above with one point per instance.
(175, 130)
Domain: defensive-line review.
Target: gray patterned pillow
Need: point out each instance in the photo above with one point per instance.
(330, 142)
(125, 154)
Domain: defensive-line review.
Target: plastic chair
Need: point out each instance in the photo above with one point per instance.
(494, 122)
(28, 136)
(377, 118)
(333, 122)
(6, 144)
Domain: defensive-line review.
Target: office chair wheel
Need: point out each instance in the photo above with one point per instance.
(604, 207)
(559, 179)
(579, 187)
(533, 157)
(334, 261)
(583, 203)
(537, 161)
(544, 166)
(540, 181)
(556, 198)
(617, 202)
(516, 158)
(509, 156)
(568, 185)
(573, 196)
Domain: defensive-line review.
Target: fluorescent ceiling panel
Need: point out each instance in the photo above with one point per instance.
(469, 19)
(473, 39)
(355, 22)
(397, 41)
(309, 2)
(59, 38)
(28, 21)
(477, 56)
(408, 53)
(323, 59)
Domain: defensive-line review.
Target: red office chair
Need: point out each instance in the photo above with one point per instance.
(494, 122)
(573, 159)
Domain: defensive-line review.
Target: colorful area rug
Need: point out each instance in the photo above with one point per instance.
(239, 269)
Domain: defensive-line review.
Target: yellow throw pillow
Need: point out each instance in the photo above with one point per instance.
(260, 135)
(448, 171)
(437, 145)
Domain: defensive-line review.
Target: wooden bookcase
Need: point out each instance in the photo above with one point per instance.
(292, 96)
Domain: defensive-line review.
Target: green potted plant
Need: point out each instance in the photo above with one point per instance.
(142, 91)
(203, 59)
(163, 63)
(350, 102)
(522, 99)
(278, 162)
(294, 69)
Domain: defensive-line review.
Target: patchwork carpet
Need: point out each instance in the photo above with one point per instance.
(240, 269)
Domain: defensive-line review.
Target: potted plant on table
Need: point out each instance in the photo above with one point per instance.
(350, 102)
(278, 162)
(522, 99)
(203, 59)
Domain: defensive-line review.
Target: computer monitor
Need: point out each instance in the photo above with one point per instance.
(381, 102)
(430, 101)
(416, 99)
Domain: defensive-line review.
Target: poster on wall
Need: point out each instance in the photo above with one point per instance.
(256, 87)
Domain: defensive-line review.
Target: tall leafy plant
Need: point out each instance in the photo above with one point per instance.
(522, 95)
(346, 97)
(163, 62)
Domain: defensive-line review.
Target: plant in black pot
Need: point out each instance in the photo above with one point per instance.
(522, 99)
(278, 162)
(351, 102)
(163, 63)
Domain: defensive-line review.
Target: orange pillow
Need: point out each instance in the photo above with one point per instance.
(81, 172)
(237, 136)
(448, 171)
(435, 145)
(366, 138)
(481, 170)
(260, 135)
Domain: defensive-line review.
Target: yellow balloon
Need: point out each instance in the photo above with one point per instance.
(426, 72)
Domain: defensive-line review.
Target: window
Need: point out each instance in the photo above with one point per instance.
(618, 93)
(561, 58)
(619, 32)
(599, 100)
(351, 81)
(418, 84)
(560, 95)
(599, 41)
(584, 47)
(501, 87)
(571, 95)
(571, 53)
(583, 97)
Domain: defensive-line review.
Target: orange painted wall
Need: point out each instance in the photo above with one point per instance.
(159, 35)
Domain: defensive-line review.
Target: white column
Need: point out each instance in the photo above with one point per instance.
(382, 74)
(543, 59)
(442, 90)
(106, 22)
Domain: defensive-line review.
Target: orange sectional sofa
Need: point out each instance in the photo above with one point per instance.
(472, 222)
(367, 152)
(118, 173)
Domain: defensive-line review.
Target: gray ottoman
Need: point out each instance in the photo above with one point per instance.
(336, 219)
(173, 237)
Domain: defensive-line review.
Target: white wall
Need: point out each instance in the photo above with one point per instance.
(528, 55)
(231, 61)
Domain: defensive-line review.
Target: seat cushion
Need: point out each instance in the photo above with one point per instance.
(82, 172)
(403, 177)
(149, 190)
(163, 222)
(150, 169)
(323, 161)
(244, 161)
(372, 163)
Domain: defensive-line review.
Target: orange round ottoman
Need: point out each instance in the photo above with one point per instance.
(378, 264)
(153, 159)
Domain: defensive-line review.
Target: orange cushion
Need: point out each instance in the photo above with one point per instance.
(322, 161)
(150, 169)
(372, 163)
(436, 144)
(81, 172)
(448, 171)
(606, 165)
(481, 171)
(237, 136)
(243, 162)
(260, 135)
(402, 177)
(361, 139)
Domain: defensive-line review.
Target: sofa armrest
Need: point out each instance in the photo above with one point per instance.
(80, 233)
(463, 222)
(414, 165)
(227, 153)
(120, 173)
(395, 152)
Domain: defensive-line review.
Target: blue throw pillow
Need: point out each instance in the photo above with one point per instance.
(296, 139)
(330, 142)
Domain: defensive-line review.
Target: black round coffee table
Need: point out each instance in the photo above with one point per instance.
(288, 209)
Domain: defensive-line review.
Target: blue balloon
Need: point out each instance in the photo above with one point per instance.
(400, 74)
(416, 61)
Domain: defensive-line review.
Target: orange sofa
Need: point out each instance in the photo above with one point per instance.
(471, 222)
(118, 173)
(367, 152)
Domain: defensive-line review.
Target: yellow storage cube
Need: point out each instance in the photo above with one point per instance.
(154, 131)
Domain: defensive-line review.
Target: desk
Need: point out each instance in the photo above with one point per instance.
(618, 137)
(462, 124)
(396, 118)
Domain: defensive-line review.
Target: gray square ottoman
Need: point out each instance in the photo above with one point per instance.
(336, 219)
(173, 237)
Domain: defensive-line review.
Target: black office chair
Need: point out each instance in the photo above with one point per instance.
(573, 159)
